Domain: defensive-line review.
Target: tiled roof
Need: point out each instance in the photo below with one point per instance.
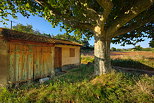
(16, 35)
(60, 41)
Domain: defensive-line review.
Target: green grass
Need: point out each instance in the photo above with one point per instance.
(141, 63)
(80, 86)
(86, 59)
(136, 64)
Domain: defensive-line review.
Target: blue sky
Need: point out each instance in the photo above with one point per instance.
(44, 26)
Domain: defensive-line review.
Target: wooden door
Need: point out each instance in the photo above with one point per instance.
(58, 57)
(42, 62)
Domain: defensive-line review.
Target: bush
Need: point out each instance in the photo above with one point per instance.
(138, 48)
(113, 49)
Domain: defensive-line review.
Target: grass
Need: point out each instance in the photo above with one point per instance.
(80, 86)
(136, 62)
(86, 59)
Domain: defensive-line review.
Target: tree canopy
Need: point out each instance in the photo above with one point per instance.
(85, 14)
(77, 38)
(106, 20)
(26, 28)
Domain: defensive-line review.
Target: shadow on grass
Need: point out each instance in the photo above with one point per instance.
(78, 85)
(85, 72)
(129, 63)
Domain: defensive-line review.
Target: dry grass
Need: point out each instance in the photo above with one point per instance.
(135, 55)
(126, 55)
(143, 57)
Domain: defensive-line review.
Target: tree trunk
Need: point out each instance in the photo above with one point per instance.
(102, 55)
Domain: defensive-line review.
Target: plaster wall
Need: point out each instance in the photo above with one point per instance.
(66, 59)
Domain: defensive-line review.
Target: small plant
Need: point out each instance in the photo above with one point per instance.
(86, 59)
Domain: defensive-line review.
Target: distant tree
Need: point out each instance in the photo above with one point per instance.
(76, 38)
(138, 48)
(86, 44)
(113, 49)
(151, 44)
(65, 36)
(91, 47)
(26, 28)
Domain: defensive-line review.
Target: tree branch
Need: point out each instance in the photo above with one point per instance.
(43, 3)
(137, 8)
(134, 26)
(79, 25)
(107, 5)
(92, 14)
(73, 21)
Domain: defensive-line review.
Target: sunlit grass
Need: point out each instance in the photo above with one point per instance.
(80, 86)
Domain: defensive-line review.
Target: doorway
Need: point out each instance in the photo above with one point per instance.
(58, 59)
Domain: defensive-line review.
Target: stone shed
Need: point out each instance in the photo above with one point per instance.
(25, 57)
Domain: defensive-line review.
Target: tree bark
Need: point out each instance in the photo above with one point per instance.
(102, 55)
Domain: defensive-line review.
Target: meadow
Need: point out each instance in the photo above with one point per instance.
(134, 59)
(79, 85)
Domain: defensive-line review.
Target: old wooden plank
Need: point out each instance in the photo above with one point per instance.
(52, 58)
(11, 62)
(30, 63)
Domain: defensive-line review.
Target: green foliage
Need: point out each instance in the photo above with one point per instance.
(138, 48)
(86, 59)
(73, 15)
(151, 44)
(113, 49)
(27, 29)
(66, 36)
(76, 38)
(147, 49)
(85, 44)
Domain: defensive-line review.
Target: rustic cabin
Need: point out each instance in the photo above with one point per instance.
(26, 57)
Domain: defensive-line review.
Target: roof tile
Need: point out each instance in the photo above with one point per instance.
(17, 35)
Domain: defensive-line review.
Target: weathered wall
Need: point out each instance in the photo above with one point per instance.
(29, 61)
(3, 61)
(66, 59)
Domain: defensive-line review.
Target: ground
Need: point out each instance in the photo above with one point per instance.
(133, 55)
(143, 60)
(79, 85)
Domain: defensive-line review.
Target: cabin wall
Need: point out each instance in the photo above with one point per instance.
(3, 61)
(66, 56)
(30, 61)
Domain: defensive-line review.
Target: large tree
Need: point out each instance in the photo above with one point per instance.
(105, 19)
